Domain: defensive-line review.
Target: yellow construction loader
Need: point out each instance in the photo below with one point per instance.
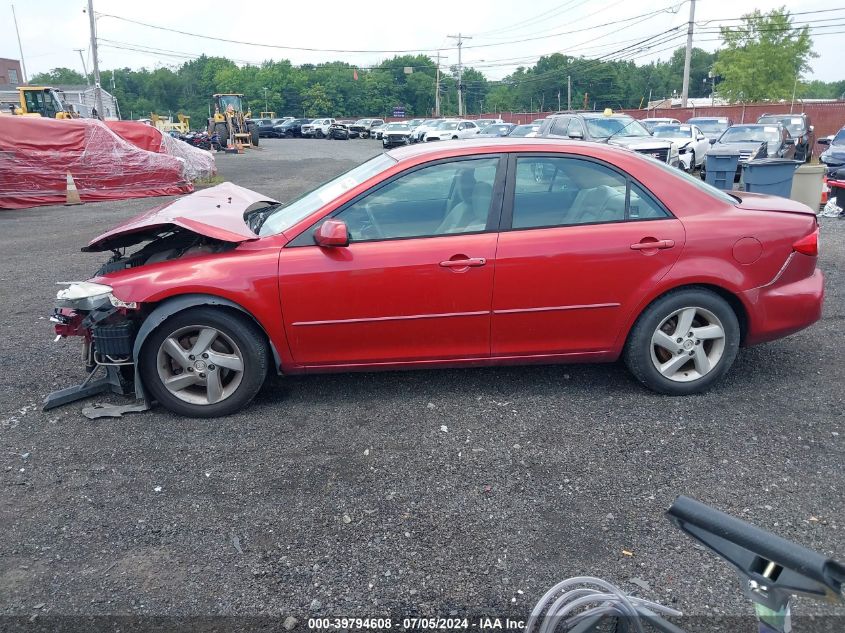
(34, 101)
(231, 122)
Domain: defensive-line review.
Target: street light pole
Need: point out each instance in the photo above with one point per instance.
(20, 48)
(84, 67)
(98, 95)
(688, 55)
(266, 109)
(460, 39)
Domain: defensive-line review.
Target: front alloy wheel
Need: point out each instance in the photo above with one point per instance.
(204, 362)
(683, 342)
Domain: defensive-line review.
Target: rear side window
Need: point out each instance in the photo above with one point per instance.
(551, 191)
(560, 126)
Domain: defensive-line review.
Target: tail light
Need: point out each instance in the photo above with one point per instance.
(808, 245)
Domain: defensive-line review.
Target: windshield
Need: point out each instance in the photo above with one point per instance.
(605, 127)
(839, 139)
(397, 127)
(362, 122)
(712, 127)
(795, 124)
(285, 216)
(524, 130)
(751, 134)
(497, 129)
(230, 100)
(672, 131)
(697, 182)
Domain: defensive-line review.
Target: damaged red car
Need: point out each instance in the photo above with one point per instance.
(485, 252)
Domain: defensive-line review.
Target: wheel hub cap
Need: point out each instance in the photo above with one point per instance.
(688, 344)
(200, 365)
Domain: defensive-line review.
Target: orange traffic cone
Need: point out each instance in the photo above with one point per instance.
(71, 194)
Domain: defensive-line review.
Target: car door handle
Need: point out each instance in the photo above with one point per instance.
(463, 263)
(652, 244)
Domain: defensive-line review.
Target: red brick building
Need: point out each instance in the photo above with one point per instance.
(10, 72)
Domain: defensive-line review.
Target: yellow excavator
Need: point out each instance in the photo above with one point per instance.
(34, 101)
(231, 122)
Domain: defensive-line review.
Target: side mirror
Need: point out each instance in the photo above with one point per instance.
(700, 137)
(331, 234)
(576, 135)
(823, 141)
(712, 141)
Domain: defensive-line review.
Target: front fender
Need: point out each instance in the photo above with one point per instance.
(174, 305)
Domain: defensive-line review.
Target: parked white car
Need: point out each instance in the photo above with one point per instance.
(318, 128)
(452, 129)
(691, 142)
(483, 123)
(418, 132)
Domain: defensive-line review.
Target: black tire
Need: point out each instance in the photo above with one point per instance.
(289, 134)
(319, 134)
(253, 133)
(692, 163)
(639, 348)
(222, 131)
(246, 335)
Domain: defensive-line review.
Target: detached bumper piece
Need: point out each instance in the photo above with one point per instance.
(112, 382)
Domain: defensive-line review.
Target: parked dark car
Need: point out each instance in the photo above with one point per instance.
(265, 127)
(799, 128)
(713, 127)
(339, 130)
(497, 129)
(834, 155)
(291, 129)
(753, 140)
(615, 129)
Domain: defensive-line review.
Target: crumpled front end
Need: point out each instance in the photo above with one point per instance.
(106, 326)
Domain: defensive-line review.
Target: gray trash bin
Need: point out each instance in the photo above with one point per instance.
(772, 176)
(720, 170)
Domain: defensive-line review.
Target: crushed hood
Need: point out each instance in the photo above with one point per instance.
(216, 212)
(640, 142)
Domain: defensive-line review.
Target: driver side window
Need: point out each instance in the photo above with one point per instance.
(442, 199)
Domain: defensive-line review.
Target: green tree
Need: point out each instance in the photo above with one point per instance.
(764, 57)
(58, 76)
(317, 102)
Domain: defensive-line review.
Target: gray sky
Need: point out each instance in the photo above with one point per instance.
(51, 29)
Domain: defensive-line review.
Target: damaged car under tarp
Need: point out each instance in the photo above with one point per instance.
(38, 154)
(200, 225)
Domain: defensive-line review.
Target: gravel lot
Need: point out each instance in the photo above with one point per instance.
(428, 492)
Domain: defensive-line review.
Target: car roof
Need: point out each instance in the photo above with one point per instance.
(471, 145)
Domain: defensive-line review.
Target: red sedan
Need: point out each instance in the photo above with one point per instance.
(485, 252)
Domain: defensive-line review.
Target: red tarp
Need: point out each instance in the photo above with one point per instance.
(199, 163)
(36, 154)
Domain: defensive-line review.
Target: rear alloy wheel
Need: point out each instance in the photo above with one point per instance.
(204, 362)
(683, 342)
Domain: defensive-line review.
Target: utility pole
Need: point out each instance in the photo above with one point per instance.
(20, 48)
(569, 92)
(98, 95)
(84, 67)
(437, 88)
(688, 56)
(558, 100)
(460, 39)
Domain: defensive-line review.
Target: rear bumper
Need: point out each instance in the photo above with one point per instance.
(785, 306)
